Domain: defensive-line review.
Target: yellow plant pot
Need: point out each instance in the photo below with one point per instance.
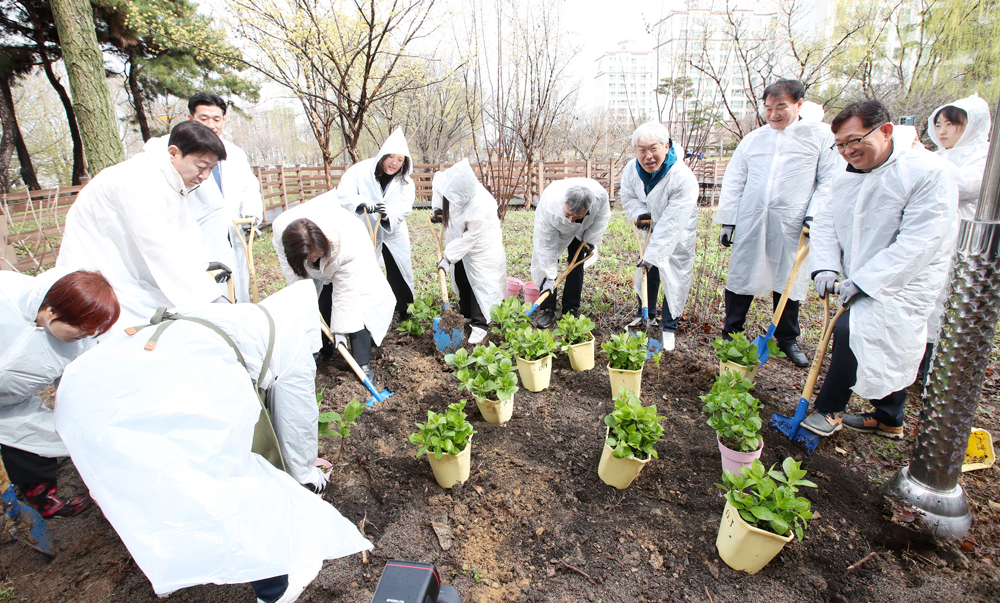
(979, 453)
(535, 374)
(496, 412)
(739, 369)
(451, 469)
(628, 379)
(581, 355)
(618, 472)
(744, 547)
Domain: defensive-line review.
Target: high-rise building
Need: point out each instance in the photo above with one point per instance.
(626, 83)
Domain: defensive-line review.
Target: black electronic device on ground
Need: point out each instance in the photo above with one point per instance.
(412, 582)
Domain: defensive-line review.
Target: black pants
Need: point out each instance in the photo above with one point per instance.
(668, 322)
(467, 303)
(270, 589)
(404, 297)
(843, 374)
(25, 467)
(572, 286)
(361, 341)
(737, 306)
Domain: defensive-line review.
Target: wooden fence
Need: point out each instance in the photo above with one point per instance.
(32, 223)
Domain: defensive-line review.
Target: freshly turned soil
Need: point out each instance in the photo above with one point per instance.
(451, 320)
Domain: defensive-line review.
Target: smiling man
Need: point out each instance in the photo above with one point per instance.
(775, 183)
(134, 225)
(883, 246)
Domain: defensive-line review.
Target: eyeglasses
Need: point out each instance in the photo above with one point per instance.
(854, 142)
(652, 150)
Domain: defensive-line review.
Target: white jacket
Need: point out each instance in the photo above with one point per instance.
(896, 228)
(473, 233)
(554, 232)
(774, 181)
(673, 206)
(133, 223)
(30, 358)
(162, 440)
(359, 185)
(361, 295)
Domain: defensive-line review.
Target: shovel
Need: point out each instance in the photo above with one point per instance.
(446, 342)
(654, 345)
(790, 426)
(247, 243)
(23, 522)
(377, 396)
(371, 229)
(573, 263)
(761, 340)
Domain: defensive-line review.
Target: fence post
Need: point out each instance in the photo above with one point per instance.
(611, 179)
(281, 187)
(588, 168)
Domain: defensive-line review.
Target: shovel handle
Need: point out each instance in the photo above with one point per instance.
(643, 294)
(347, 357)
(371, 231)
(573, 263)
(440, 254)
(800, 258)
(247, 243)
(824, 341)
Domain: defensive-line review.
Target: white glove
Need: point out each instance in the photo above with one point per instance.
(445, 264)
(849, 293)
(339, 339)
(549, 285)
(824, 282)
(726, 236)
(316, 480)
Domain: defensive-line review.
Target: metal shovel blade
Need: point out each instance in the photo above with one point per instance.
(26, 524)
(761, 342)
(791, 427)
(447, 341)
(377, 396)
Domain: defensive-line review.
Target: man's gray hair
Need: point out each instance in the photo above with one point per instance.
(649, 132)
(579, 198)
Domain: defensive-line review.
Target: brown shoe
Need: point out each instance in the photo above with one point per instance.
(867, 423)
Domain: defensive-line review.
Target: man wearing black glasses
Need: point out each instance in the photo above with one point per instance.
(883, 245)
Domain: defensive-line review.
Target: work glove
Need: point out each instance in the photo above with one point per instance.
(644, 264)
(549, 285)
(380, 209)
(824, 282)
(362, 207)
(807, 224)
(316, 481)
(444, 264)
(849, 293)
(222, 299)
(339, 338)
(644, 222)
(726, 236)
(585, 250)
(437, 217)
(222, 276)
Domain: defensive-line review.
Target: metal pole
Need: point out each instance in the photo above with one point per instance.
(930, 482)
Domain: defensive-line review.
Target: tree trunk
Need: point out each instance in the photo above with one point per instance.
(91, 97)
(133, 86)
(79, 163)
(27, 169)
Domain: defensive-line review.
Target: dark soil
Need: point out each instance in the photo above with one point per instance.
(534, 523)
(451, 320)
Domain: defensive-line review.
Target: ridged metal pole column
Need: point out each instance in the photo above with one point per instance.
(930, 482)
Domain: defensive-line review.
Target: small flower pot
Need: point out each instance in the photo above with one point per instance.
(581, 355)
(744, 547)
(738, 369)
(452, 469)
(513, 286)
(618, 472)
(496, 412)
(535, 374)
(733, 459)
(531, 292)
(628, 379)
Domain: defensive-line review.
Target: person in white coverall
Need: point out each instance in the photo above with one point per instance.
(45, 322)
(163, 426)
(960, 132)
(473, 244)
(232, 193)
(133, 223)
(382, 186)
(776, 182)
(323, 241)
(572, 214)
(659, 192)
(890, 232)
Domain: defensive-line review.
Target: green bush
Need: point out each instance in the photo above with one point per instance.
(766, 499)
(446, 433)
(626, 352)
(734, 413)
(634, 428)
(574, 329)
(421, 312)
(534, 344)
(487, 373)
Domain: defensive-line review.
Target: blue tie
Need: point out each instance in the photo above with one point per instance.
(218, 176)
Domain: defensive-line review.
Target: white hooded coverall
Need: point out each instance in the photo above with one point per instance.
(554, 231)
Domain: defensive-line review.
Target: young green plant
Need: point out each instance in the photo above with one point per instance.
(741, 351)
(445, 433)
(507, 318)
(634, 429)
(626, 352)
(766, 499)
(341, 423)
(573, 329)
(421, 311)
(734, 413)
(487, 373)
(534, 344)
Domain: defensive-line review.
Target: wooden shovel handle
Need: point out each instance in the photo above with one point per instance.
(824, 341)
(800, 258)
(440, 254)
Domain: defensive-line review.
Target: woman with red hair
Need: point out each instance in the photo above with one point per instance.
(45, 322)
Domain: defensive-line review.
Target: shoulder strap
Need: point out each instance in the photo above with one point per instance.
(270, 346)
(164, 319)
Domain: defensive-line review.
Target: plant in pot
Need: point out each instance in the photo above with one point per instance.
(626, 355)
(762, 513)
(739, 355)
(734, 414)
(535, 348)
(447, 440)
(507, 318)
(488, 374)
(633, 431)
(577, 340)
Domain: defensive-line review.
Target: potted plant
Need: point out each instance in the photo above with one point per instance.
(739, 355)
(577, 340)
(734, 414)
(447, 440)
(535, 349)
(507, 318)
(626, 355)
(488, 374)
(633, 431)
(762, 513)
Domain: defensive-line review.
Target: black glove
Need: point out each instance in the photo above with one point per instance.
(726, 237)
(644, 264)
(807, 225)
(380, 208)
(585, 250)
(644, 222)
(437, 217)
(222, 276)
(362, 207)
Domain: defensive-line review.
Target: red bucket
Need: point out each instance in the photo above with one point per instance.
(513, 286)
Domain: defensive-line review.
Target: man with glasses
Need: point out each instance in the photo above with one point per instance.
(890, 232)
(775, 183)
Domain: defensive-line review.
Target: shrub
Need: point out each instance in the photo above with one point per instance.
(421, 311)
(487, 373)
(734, 412)
(634, 428)
(534, 344)
(446, 433)
(626, 352)
(574, 329)
(766, 500)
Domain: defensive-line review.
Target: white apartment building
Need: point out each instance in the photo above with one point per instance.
(626, 83)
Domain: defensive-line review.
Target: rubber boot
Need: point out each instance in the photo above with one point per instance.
(42, 496)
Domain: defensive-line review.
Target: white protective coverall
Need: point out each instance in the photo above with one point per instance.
(359, 185)
(896, 228)
(215, 210)
(133, 223)
(554, 231)
(473, 233)
(361, 296)
(673, 206)
(162, 439)
(774, 181)
(30, 358)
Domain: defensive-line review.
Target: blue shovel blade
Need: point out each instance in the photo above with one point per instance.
(447, 342)
(377, 396)
(761, 342)
(791, 427)
(28, 525)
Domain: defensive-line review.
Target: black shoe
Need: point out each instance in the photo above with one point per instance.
(794, 353)
(367, 370)
(545, 318)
